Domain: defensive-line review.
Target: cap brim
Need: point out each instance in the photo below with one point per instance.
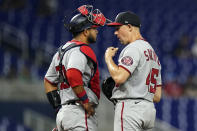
(114, 24)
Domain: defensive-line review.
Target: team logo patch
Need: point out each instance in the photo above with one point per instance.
(127, 60)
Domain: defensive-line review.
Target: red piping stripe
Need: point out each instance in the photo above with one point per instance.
(114, 24)
(50, 82)
(122, 116)
(86, 121)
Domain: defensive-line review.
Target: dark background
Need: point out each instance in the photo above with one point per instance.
(32, 30)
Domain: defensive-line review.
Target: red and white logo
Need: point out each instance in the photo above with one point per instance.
(127, 60)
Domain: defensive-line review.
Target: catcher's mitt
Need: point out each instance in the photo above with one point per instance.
(107, 87)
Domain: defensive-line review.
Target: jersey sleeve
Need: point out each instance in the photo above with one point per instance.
(51, 75)
(129, 59)
(77, 60)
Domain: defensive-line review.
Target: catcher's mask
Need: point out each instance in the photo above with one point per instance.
(86, 18)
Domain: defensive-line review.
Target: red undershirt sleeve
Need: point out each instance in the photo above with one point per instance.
(74, 77)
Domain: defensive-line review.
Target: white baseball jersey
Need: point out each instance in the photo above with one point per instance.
(73, 58)
(141, 61)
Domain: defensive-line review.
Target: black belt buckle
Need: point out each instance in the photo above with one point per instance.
(77, 103)
(72, 103)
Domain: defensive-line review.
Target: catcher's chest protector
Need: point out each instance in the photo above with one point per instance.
(88, 52)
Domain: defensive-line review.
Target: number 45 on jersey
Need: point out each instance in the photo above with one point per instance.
(151, 80)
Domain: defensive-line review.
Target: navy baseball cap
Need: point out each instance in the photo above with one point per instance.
(125, 18)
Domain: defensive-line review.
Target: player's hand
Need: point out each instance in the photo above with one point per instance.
(89, 109)
(55, 129)
(110, 52)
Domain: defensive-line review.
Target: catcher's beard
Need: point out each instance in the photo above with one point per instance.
(91, 39)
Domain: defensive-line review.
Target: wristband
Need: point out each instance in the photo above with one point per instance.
(83, 97)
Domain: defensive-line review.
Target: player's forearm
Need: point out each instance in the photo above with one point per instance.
(81, 93)
(114, 71)
(74, 77)
(49, 87)
(112, 67)
(78, 89)
(157, 96)
(52, 94)
(156, 99)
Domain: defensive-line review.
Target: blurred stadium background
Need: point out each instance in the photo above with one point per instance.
(32, 30)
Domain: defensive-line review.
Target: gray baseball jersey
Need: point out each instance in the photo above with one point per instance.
(132, 113)
(141, 61)
(73, 58)
(73, 117)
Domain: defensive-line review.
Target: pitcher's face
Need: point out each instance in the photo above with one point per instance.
(122, 33)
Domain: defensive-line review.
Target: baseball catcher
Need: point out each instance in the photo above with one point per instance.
(74, 73)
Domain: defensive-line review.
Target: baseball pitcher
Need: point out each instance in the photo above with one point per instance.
(137, 76)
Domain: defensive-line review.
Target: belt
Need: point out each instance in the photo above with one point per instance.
(77, 103)
(115, 101)
(72, 103)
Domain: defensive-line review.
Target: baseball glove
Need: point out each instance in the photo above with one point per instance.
(107, 87)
